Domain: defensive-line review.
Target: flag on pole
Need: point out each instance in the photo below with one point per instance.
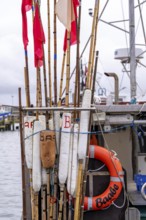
(73, 36)
(39, 38)
(73, 31)
(65, 12)
(26, 6)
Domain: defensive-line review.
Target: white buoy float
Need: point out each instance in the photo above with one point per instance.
(73, 162)
(64, 148)
(39, 125)
(57, 128)
(28, 130)
(84, 125)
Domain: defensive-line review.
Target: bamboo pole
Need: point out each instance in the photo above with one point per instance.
(94, 47)
(79, 195)
(61, 202)
(87, 157)
(38, 92)
(80, 58)
(77, 80)
(55, 193)
(27, 79)
(26, 86)
(94, 76)
(78, 53)
(61, 79)
(38, 104)
(67, 70)
(70, 207)
(79, 191)
(45, 80)
(49, 55)
(32, 195)
(36, 206)
(43, 188)
(30, 170)
(55, 56)
(64, 204)
(62, 186)
(48, 193)
(43, 197)
(51, 194)
(90, 62)
(22, 159)
(49, 207)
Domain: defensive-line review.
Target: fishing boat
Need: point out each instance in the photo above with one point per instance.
(86, 159)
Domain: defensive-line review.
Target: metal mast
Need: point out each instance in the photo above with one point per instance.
(132, 49)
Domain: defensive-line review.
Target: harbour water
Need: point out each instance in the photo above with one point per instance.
(10, 176)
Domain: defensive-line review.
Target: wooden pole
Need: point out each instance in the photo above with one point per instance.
(36, 206)
(87, 157)
(75, 66)
(49, 55)
(64, 204)
(77, 80)
(55, 193)
(55, 56)
(67, 70)
(43, 197)
(94, 47)
(61, 202)
(45, 80)
(32, 195)
(38, 104)
(48, 194)
(26, 87)
(94, 76)
(78, 53)
(39, 93)
(49, 208)
(61, 79)
(27, 80)
(22, 159)
(90, 62)
(79, 191)
(62, 186)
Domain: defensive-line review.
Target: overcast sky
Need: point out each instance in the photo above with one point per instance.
(108, 40)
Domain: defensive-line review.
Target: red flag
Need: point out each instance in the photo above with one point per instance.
(39, 38)
(73, 32)
(75, 5)
(26, 6)
(73, 36)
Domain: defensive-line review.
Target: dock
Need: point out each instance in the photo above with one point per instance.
(9, 118)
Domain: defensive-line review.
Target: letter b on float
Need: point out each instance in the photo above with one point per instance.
(66, 120)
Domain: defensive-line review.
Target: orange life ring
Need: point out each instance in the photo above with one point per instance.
(114, 188)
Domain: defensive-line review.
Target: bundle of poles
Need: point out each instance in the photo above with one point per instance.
(55, 144)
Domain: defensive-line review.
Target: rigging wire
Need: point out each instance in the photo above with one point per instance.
(142, 23)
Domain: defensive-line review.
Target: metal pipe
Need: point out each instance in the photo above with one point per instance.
(116, 85)
(132, 49)
(58, 109)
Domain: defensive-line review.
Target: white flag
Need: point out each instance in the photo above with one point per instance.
(65, 12)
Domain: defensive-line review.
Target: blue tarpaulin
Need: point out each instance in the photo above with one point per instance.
(4, 115)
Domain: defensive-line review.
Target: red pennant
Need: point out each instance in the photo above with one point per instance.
(39, 38)
(73, 36)
(26, 6)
